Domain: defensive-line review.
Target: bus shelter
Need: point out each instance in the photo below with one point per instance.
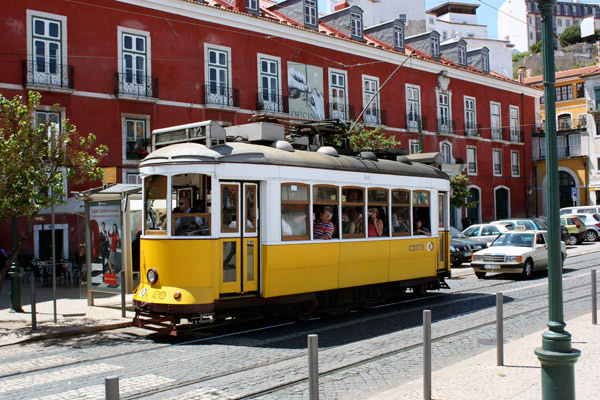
(113, 217)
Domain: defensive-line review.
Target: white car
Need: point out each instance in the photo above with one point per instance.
(519, 252)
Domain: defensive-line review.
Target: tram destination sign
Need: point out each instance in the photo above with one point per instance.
(179, 135)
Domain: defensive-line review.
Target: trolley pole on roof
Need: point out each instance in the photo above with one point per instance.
(556, 355)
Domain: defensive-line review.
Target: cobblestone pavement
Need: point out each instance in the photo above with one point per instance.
(235, 366)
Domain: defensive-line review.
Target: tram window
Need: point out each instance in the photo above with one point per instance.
(378, 220)
(294, 211)
(353, 206)
(400, 212)
(155, 193)
(441, 213)
(229, 208)
(325, 212)
(421, 209)
(188, 199)
(250, 211)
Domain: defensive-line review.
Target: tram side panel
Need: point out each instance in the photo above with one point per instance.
(413, 259)
(363, 263)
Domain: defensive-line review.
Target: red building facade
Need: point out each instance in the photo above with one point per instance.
(120, 69)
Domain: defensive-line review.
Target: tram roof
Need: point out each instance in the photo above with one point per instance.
(238, 152)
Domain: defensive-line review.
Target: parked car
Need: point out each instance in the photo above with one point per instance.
(517, 252)
(462, 247)
(592, 226)
(575, 227)
(485, 232)
(580, 210)
(529, 223)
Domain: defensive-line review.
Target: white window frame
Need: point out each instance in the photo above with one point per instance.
(412, 104)
(60, 112)
(131, 177)
(134, 117)
(561, 146)
(472, 160)
(497, 161)
(470, 116)
(399, 37)
(403, 17)
(495, 121)
(134, 88)
(60, 77)
(446, 152)
(372, 114)
(485, 62)
(338, 106)
(515, 130)
(356, 25)
(310, 12)
(542, 147)
(574, 148)
(515, 164)
(252, 5)
(414, 146)
(219, 98)
(444, 110)
(435, 46)
(462, 54)
(270, 97)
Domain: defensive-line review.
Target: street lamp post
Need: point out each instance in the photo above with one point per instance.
(556, 355)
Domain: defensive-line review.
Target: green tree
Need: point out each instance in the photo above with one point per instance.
(35, 161)
(365, 139)
(460, 192)
(571, 35)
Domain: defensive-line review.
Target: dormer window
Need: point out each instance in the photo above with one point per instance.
(356, 23)
(310, 12)
(402, 17)
(462, 55)
(398, 37)
(485, 62)
(435, 47)
(252, 5)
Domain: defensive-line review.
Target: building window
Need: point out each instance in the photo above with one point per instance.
(431, 20)
(542, 148)
(137, 139)
(435, 47)
(446, 152)
(514, 162)
(399, 37)
(338, 95)
(559, 22)
(567, 23)
(414, 145)
(133, 178)
(356, 24)
(597, 97)
(217, 90)
(561, 146)
(270, 84)
(564, 92)
(515, 134)
(310, 12)
(495, 120)
(48, 50)
(485, 62)
(134, 77)
(597, 127)
(51, 120)
(403, 19)
(413, 106)
(497, 161)
(371, 100)
(444, 113)
(470, 117)
(530, 35)
(252, 5)
(574, 145)
(579, 90)
(471, 160)
(462, 55)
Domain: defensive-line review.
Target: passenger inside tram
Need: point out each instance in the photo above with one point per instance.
(323, 228)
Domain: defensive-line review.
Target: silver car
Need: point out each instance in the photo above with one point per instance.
(592, 226)
(486, 232)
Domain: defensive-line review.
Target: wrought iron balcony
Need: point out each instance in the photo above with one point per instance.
(412, 121)
(472, 130)
(221, 95)
(338, 111)
(497, 169)
(515, 135)
(50, 74)
(375, 116)
(496, 133)
(444, 125)
(271, 101)
(136, 85)
(472, 167)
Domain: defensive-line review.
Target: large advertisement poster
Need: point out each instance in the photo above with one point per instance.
(305, 91)
(105, 245)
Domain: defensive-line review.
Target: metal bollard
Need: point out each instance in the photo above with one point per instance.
(594, 299)
(427, 354)
(33, 306)
(111, 386)
(313, 367)
(499, 330)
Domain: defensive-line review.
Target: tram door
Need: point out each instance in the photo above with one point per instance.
(444, 232)
(239, 234)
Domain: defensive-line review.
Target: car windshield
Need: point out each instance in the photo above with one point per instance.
(455, 233)
(596, 217)
(514, 239)
(541, 224)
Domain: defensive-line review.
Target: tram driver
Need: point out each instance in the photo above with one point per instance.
(187, 225)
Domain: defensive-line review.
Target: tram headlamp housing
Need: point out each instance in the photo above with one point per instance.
(152, 276)
(177, 295)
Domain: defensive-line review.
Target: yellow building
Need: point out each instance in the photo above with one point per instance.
(573, 141)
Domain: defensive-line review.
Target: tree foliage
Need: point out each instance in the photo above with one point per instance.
(572, 35)
(460, 192)
(365, 139)
(36, 158)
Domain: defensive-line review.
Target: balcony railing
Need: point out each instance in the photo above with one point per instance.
(338, 111)
(48, 74)
(515, 170)
(497, 169)
(136, 85)
(515, 135)
(472, 167)
(412, 121)
(571, 125)
(137, 149)
(472, 129)
(221, 95)
(271, 101)
(444, 125)
(375, 116)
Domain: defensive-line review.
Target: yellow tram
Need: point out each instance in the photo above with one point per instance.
(228, 227)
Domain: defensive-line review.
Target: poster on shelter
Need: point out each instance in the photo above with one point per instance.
(305, 91)
(105, 244)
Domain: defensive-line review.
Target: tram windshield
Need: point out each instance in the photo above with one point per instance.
(155, 189)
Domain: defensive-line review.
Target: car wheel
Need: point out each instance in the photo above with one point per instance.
(591, 236)
(528, 269)
(572, 240)
(480, 275)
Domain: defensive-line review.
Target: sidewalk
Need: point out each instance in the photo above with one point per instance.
(520, 379)
(74, 316)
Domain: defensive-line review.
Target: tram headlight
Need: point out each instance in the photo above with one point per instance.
(152, 276)
(177, 295)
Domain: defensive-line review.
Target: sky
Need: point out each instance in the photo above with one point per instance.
(487, 13)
